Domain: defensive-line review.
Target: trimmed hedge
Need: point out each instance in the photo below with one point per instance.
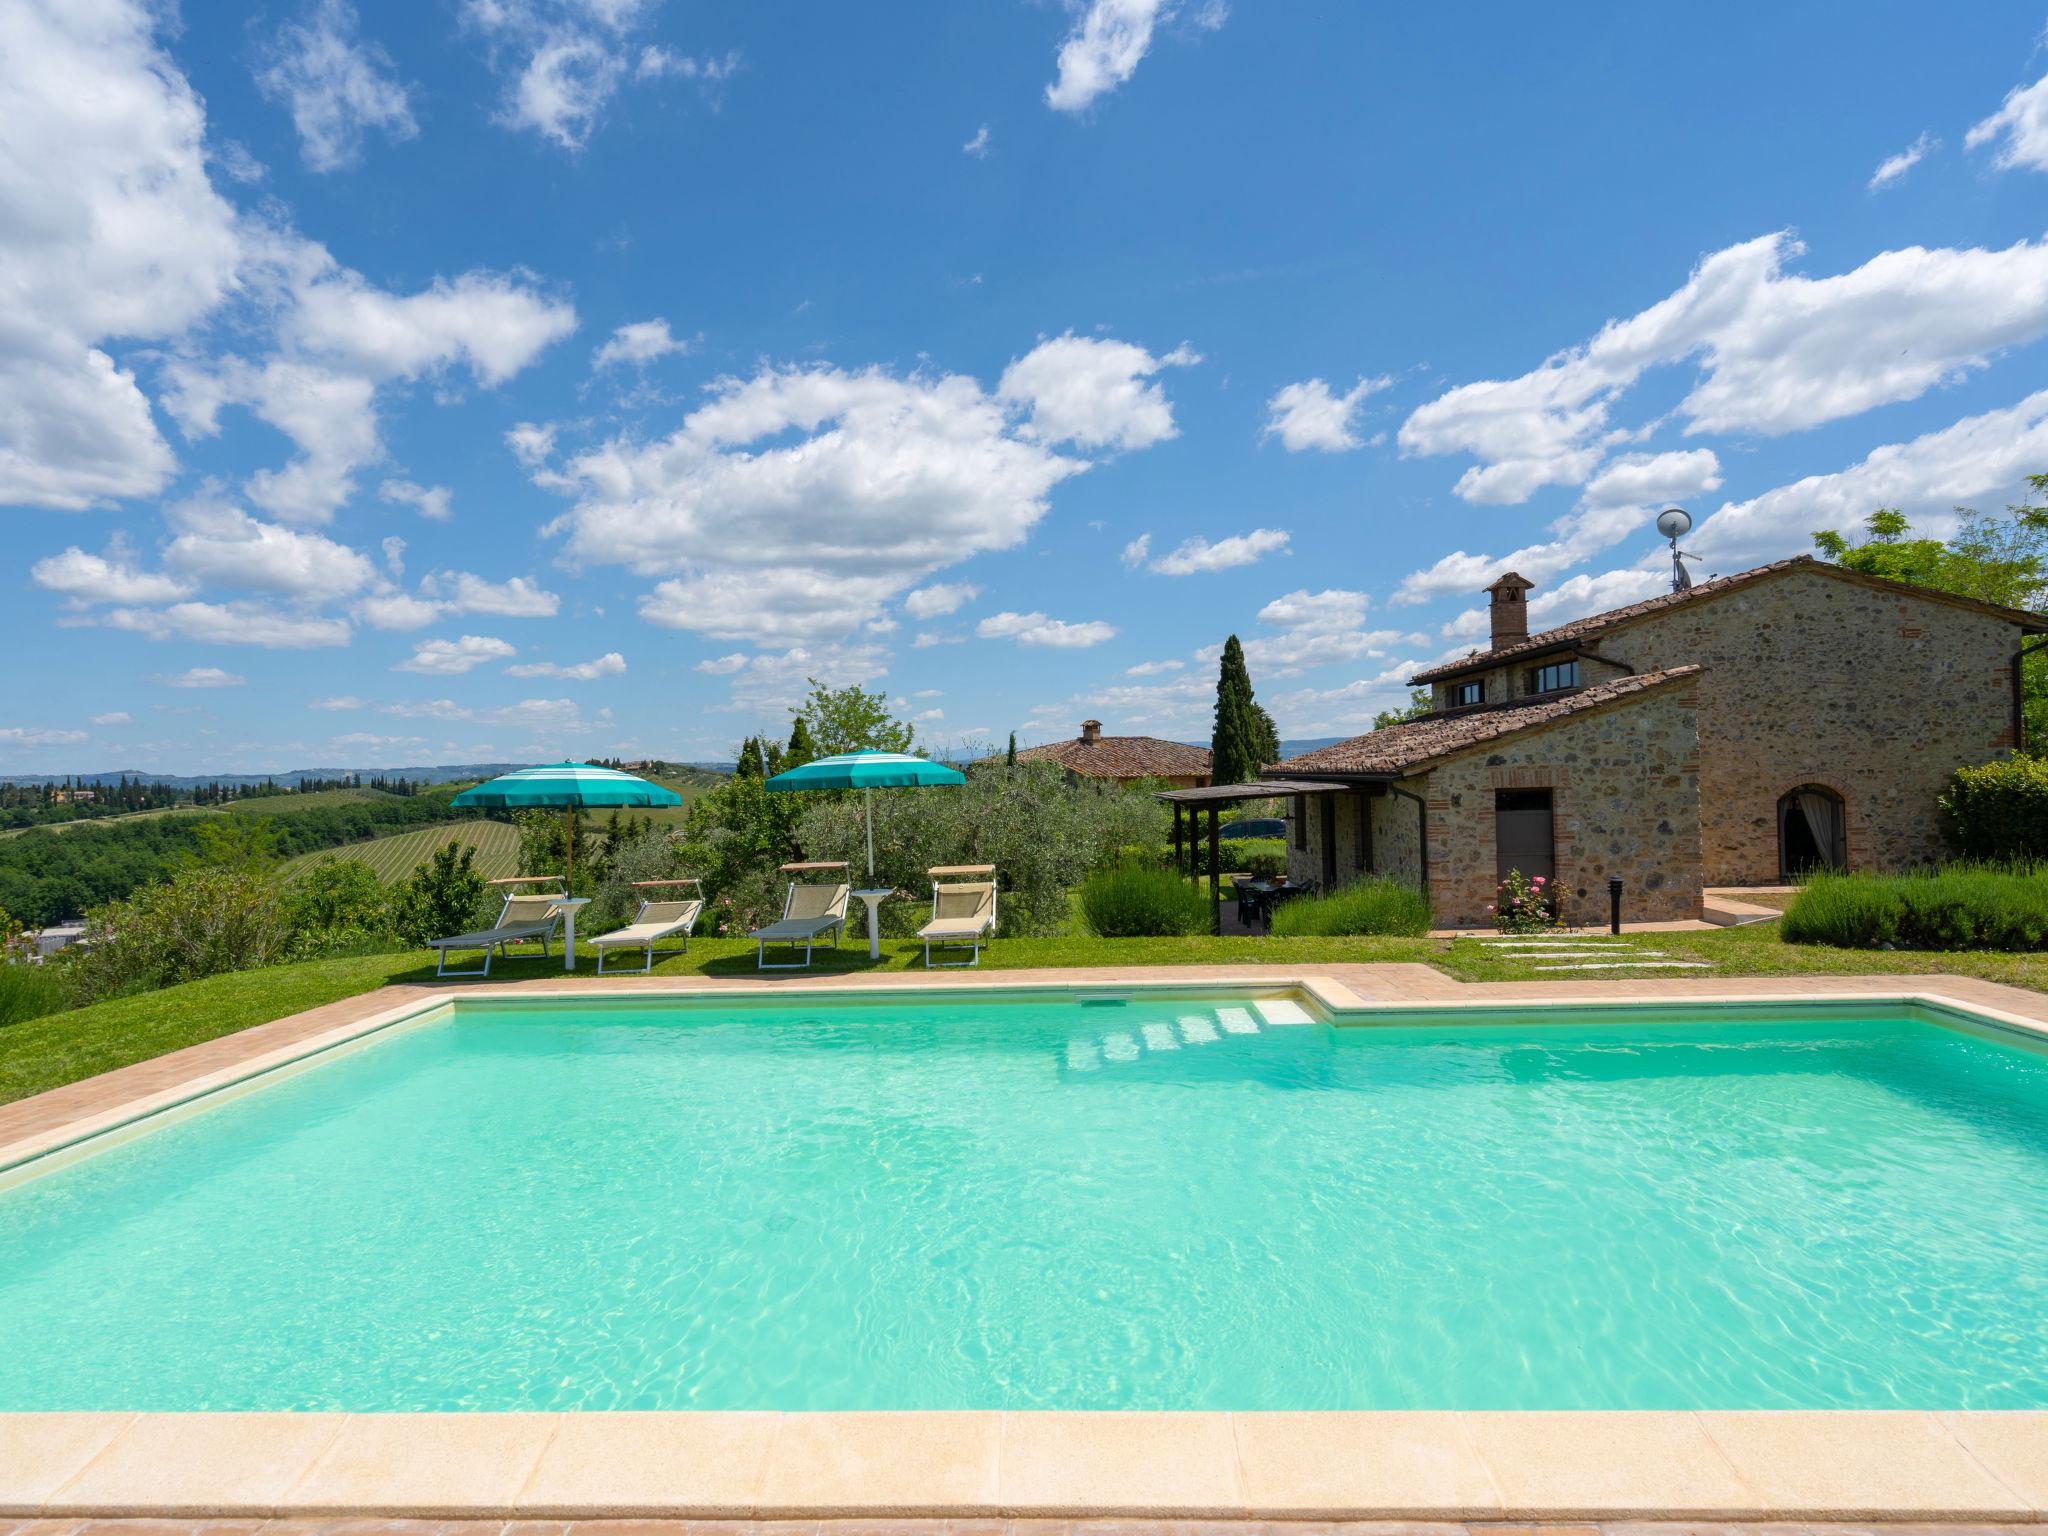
(1964, 906)
(1261, 856)
(1370, 906)
(1999, 810)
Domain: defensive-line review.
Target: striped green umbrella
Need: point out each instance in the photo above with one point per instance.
(868, 771)
(570, 786)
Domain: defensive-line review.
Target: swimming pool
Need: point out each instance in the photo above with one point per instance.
(1050, 1202)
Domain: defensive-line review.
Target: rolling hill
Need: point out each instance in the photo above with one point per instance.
(396, 856)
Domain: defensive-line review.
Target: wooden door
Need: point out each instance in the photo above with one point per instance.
(1522, 834)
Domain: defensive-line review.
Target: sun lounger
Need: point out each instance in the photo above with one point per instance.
(809, 912)
(655, 920)
(523, 918)
(963, 913)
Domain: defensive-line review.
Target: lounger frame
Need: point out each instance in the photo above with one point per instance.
(494, 939)
(985, 934)
(836, 925)
(682, 925)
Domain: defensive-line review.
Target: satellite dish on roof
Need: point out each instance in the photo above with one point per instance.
(1675, 523)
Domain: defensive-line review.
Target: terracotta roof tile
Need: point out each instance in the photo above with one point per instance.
(1400, 749)
(1599, 623)
(1122, 757)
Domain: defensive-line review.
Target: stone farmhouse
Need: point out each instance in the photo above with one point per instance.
(1794, 716)
(1092, 755)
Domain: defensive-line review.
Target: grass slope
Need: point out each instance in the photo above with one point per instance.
(398, 855)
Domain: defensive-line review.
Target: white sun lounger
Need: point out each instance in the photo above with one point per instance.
(655, 920)
(523, 918)
(809, 912)
(963, 913)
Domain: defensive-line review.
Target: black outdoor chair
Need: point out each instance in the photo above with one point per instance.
(1251, 903)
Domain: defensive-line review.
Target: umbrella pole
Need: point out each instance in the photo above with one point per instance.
(569, 850)
(870, 796)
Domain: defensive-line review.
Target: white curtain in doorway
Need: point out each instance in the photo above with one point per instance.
(1823, 813)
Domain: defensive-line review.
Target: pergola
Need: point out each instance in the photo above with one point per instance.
(1191, 802)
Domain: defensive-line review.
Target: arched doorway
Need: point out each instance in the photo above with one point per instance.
(1810, 834)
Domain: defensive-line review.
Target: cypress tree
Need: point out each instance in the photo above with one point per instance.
(801, 748)
(1269, 735)
(1010, 757)
(1234, 750)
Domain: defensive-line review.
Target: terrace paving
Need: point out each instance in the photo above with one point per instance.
(375, 1526)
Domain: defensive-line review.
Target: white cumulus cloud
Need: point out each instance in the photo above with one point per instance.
(1093, 392)
(430, 501)
(447, 658)
(1036, 629)
(853, 486)
(1197, 554)
(611, 664)
(1893, 168)
(1311, 415)
(113, 230)
(337, 86)
(1103, 50)
(638, 344)
(204, 677)
(939, 599)
(1776, 351)
(2019, 128)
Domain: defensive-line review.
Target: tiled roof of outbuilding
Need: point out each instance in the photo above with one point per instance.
(1397, 750)
(1599, 623)
(1122, 757)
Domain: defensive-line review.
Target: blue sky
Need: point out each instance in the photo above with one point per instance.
(389, 383)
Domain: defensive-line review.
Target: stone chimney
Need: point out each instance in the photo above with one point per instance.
(1510, 610)
(1091, 732)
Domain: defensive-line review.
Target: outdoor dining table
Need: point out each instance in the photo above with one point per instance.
(1265, 894)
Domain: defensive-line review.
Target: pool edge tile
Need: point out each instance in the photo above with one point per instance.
(1168, 1466)
(654, 1465)
(180, 1465)
(2012, 1446)
(424, 1466)
(1580, 1465)
(1352, 1466)
(41, 1452)
(905, 1463)
(1886, 1465)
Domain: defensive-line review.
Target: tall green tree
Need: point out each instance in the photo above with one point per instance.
(801, 749)
(1010, 757)
(1418, 705)
(1241, 744)
(2002, 560)
(851, 719)
(1268, 735)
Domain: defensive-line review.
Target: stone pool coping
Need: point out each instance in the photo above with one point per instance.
(1890, 1466)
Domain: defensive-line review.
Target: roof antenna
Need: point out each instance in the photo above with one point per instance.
(1675, 523)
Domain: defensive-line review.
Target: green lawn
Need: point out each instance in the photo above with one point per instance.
(64, 1047)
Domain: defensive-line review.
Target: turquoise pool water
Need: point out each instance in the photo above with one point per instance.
(1052, 1205)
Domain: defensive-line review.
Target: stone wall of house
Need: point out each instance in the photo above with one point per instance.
(1814, 680)
(1811, 679)
(1625, 800)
